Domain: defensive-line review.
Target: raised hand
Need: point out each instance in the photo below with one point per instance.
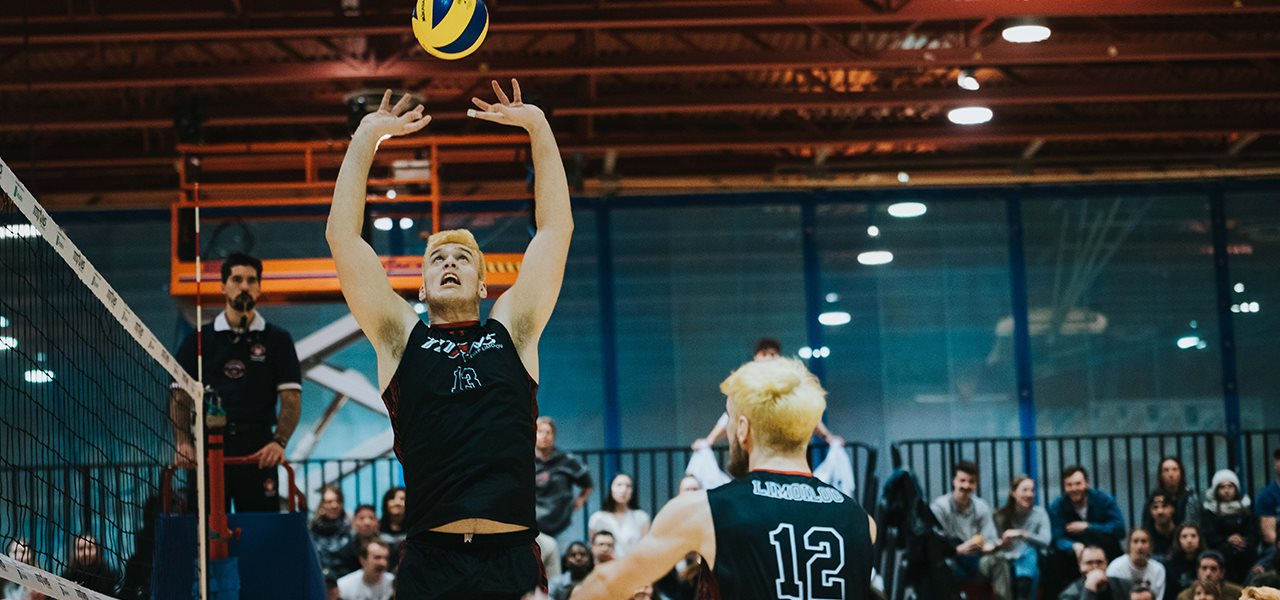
(394, 120)
(506, 111)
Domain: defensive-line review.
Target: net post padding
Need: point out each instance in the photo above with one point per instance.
(97, 385)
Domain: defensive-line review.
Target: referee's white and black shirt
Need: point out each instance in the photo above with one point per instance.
(248, 369)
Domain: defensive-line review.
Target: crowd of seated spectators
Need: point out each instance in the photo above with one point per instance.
(358, 555)
(1189, 545)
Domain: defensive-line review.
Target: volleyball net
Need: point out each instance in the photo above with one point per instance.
(86, 427)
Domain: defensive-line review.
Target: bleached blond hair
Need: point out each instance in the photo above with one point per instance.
(462, 237)
(780, 397)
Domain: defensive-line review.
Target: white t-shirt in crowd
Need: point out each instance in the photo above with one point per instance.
(1152, 575)
(626, 530)
(353, 587)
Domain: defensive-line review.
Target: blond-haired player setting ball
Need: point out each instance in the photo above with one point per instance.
(461, 393)
(775, 531)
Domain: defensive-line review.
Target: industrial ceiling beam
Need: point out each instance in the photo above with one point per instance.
(658, 64)
(674, 143)
(177, 26)
(721, 101)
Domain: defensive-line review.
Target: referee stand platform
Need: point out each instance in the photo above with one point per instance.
(269, 555)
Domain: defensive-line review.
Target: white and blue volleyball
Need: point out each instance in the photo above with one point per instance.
(450, 29)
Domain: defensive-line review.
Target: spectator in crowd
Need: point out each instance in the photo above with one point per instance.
(1143, 592)
(21, 552)
(364, 527)
(689, 483)
(556, 473)
(1205, 589)
(391, 525)
(1136, 565)
(1084, 516)
(371, 581)
(1183, 562)
(1171, 478)
(1269, 506)
(621, 515)
(330, 530)
(1093, 583)
(87, 567)
(574, 567)
(1267, 565)
(1270, 579)
(602, 547)
(1159, 523)
(968, 521)
(1024, 532)
(1229, 525)
(1212, 568)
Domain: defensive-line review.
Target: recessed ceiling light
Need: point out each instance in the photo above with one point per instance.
(1026, 33)
(970, 115)
(872, 258)
(907, 210)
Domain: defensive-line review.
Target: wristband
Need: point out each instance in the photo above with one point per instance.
(280, 439)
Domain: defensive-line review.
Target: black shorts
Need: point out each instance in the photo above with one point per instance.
(490, 567)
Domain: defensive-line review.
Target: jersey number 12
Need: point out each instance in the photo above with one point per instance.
(824, 548)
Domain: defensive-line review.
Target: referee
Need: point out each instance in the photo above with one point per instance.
(249, 363)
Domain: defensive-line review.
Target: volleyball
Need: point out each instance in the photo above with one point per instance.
(450, 29)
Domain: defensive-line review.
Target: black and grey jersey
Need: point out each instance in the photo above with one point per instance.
(463, 407)
(787, 536)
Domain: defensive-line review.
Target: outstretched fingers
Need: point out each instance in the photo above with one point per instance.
(417, 125)
(502, 96)
(515, 91)
(386, 101)
(402, 105)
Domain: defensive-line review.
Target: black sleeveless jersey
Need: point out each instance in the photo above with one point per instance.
(784, 535)
(463, 407)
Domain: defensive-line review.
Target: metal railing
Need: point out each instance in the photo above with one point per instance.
(1123, 465)
(657, 473)
(85, 497)
(363, 481)
(1257, 467)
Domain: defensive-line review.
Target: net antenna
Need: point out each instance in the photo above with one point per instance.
(86, 421)
(202, 528)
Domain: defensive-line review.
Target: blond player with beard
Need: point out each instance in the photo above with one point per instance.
(775, 531)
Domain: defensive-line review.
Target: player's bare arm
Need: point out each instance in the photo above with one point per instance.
(526, 307)
(383, 315)
(684, 525)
